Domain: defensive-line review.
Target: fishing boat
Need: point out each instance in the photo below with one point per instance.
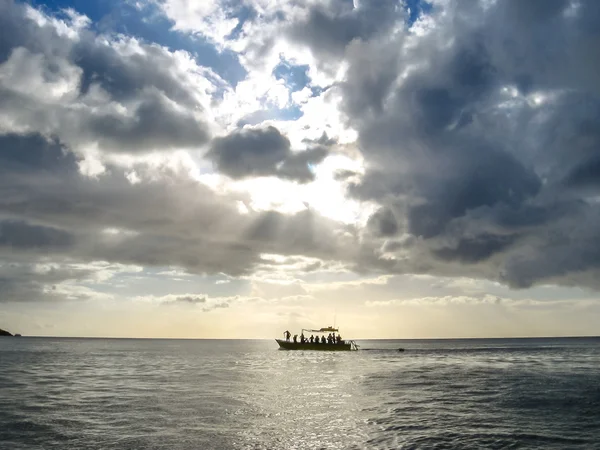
(318, 344)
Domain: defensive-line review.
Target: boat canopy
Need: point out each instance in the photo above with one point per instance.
(321, 330)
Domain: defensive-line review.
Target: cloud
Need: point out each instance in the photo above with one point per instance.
(203, 302)
(187, 299)
(166, 218)
(25, 281)
(486, 153)
(476, 249)
(19, 235)
(263, 152)
(444, 301)
(23, 153)
(476, 124)
(476, 147)
(155, 123)
(328, 27)
(383, 222)
(115, 94)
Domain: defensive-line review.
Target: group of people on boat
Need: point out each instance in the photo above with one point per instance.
(331, 339)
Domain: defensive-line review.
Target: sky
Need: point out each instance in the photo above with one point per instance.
(236, 168)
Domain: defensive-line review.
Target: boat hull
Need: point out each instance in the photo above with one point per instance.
(287, 345)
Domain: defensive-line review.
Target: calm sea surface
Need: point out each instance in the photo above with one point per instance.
(202, 394)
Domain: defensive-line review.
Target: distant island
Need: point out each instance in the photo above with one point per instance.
(4, 333)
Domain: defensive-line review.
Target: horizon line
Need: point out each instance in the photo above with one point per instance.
(355, 339)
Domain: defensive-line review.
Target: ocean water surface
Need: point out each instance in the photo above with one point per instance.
(59, 393)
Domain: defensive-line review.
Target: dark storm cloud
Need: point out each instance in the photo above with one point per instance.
(250, 152)
(14, 290)
(297, 166)
(263, 152)
(155, 124)
(124, 78)
(330, 26)
(383, 222)
(548, 44)
(533, 11)
(475, 178)
(564, 251)
(33, 152)
(586, 174)
(19, 235)
(472, 250)
(486, 179)
(16, 31)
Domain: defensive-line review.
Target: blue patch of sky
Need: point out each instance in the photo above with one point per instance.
(292, 113)
(317, 90)
(295, 76)
(150, 25)
(415, 9)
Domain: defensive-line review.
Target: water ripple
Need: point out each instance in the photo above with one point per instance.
(96, 394)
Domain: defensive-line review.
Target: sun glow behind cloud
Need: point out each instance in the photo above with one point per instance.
(324, 195)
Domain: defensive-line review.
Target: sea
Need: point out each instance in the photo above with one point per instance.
(134, 394)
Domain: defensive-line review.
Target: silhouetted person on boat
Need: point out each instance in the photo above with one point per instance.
(287, 335)
(339, 339)
(311, 339)
(295, 339)
(323, 339)
(302, 340)
(329, 338)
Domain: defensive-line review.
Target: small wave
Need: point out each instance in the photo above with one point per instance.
(383, 350)
(462, 350)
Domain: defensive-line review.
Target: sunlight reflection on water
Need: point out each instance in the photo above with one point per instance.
(161, 394)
